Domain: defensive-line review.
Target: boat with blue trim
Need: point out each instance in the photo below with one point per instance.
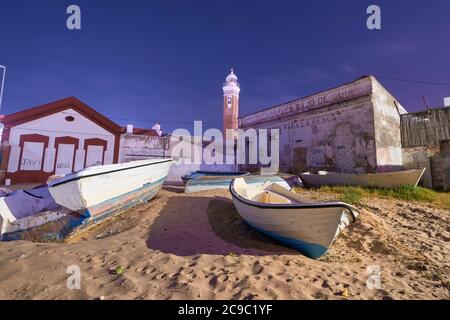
(309, 227)
(212, 174)
(210, 183)
(53, 211)
(100, 191)
(33, 215)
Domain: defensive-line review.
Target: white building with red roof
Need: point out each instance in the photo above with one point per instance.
(56, 138)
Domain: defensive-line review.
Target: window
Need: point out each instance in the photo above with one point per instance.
(70, 118)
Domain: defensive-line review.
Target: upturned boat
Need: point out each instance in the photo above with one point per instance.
(309, 227)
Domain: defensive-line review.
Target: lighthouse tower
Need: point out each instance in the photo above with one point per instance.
(230, 102)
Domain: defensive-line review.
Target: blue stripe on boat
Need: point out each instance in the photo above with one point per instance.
(311, 250)
(57, 230)
(147, 196)
(227, 180)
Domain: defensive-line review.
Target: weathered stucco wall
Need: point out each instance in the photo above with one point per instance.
(352, 128)
(435, 159)
(332, 130)
(428, 130)
(445, 153)
(419, 158)
(137, 147)
(187, 161)
(387, 111)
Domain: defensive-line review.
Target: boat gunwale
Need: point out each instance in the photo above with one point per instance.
(76, 178)
(307, 174)
(213, 174)
(219, 173)
(344, 205)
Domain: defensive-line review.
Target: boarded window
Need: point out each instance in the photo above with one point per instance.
(94, 156)
(33, 153)
(64, 161)
(300, 155)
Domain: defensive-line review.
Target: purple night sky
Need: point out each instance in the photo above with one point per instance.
(166, 60)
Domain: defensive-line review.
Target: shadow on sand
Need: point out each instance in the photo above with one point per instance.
(207, 225)
(174, 188)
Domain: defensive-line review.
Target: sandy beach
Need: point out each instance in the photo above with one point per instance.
(195, 246)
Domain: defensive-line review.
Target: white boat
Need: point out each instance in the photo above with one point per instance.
(381, 180)
(223, 182)
(52, 211)
(309, 227)
(99, 191)
(213, 174)
(34, 215)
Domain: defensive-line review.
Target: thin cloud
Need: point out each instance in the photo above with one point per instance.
(347, 68)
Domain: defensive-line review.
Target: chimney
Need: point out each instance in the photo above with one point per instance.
(129, 128)
(447, 102)
(157, 128)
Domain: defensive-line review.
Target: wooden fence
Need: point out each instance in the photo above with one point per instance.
(425, 129)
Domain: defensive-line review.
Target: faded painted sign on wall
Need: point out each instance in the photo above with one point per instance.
(347, 92)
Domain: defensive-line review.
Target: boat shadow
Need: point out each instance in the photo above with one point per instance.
(174, 188)
(190, 225)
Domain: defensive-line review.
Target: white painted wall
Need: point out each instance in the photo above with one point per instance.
(55, 126)
(387, 128)
(137, 147)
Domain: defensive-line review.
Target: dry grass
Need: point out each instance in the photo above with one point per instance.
(354, 194)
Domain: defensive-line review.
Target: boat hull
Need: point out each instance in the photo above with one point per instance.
(213, 174)
(52, 212)
(100, 194)
(124, 201)
(380, 180)
(44, 226)
(311, 250)
(309, 229)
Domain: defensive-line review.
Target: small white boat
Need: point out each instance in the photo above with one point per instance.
(99, 191)
(213, 174)
(288, 218)
(210, 183)
(381, 180)
(52, 211)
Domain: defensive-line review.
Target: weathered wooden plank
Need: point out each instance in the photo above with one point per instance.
(425, 129)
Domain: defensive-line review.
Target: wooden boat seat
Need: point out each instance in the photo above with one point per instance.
(271, 197)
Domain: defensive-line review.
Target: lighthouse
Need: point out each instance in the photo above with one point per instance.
(231, 91)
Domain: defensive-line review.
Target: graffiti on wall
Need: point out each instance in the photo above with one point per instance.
(32, 156)
(30, 164)
(316, 156)
(63, 165)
